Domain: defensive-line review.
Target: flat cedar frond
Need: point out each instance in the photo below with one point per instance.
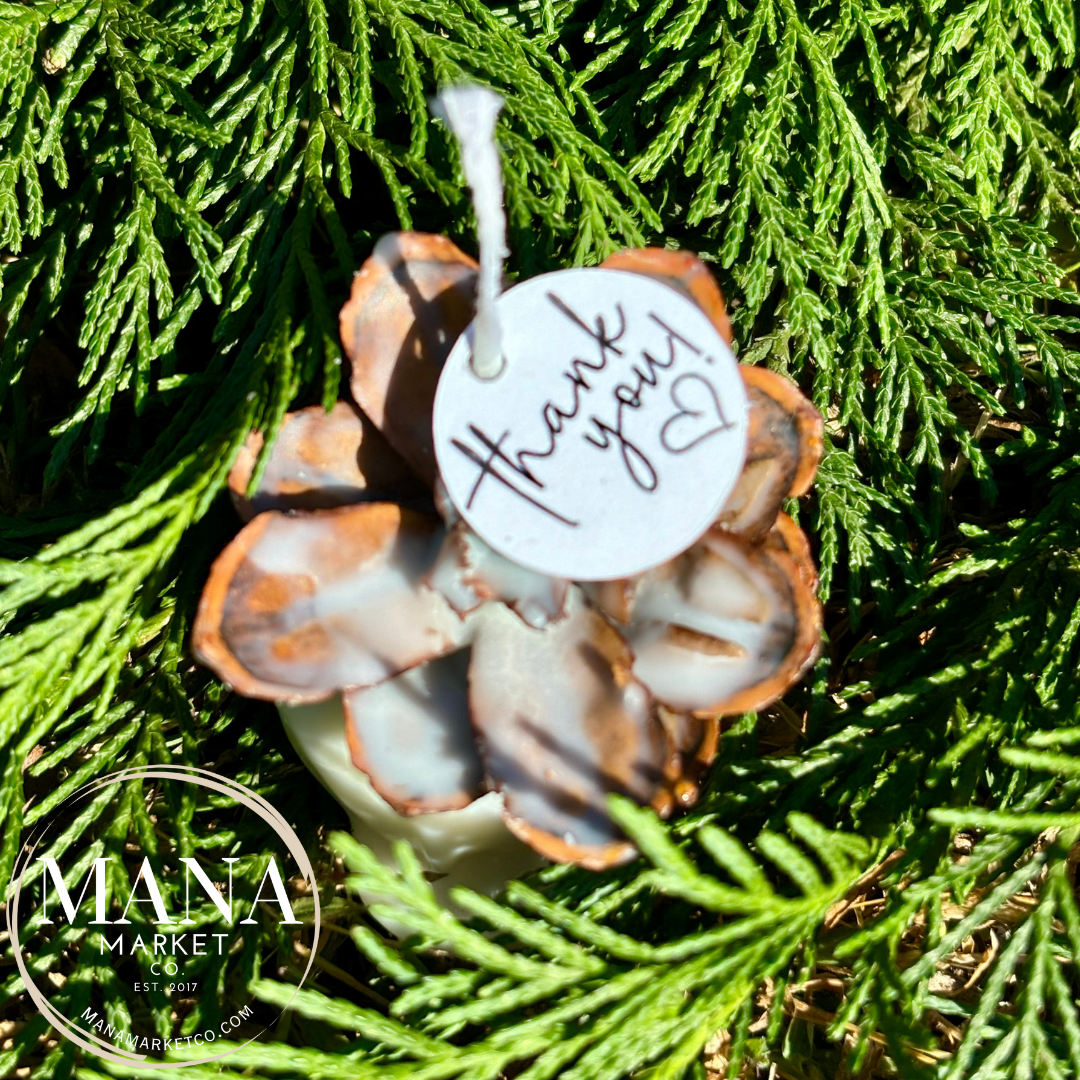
(880, 878)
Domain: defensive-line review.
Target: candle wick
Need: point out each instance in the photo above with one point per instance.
(471, 112)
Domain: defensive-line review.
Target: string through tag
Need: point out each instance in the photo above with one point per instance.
(470, 112)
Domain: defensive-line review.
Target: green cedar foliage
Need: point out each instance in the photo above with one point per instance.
(880, 879)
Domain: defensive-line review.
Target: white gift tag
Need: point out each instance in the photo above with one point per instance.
(612, 437)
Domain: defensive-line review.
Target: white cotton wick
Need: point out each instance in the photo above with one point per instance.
(471, 112)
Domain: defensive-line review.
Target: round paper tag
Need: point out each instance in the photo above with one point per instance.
(612, 437)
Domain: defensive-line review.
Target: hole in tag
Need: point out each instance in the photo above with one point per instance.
(494, 375)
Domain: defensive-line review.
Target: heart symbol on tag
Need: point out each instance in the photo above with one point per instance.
(700, 414)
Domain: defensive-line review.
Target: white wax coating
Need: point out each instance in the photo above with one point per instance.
(471, 112)
(726, 597)
(470, 847)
